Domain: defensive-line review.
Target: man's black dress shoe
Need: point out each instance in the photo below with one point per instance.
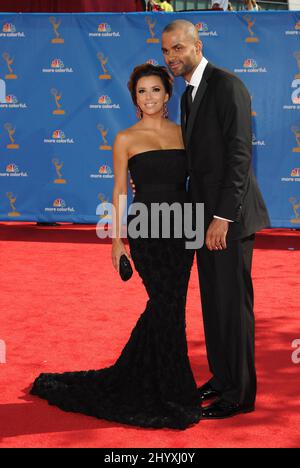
(222, 409)
(206, 392)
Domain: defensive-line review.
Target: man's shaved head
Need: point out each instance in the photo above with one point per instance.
(188, 28)
(182, 48)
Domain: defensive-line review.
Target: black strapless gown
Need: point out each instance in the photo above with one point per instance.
(151, 384)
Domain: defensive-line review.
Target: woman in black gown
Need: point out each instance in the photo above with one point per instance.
(151, 384)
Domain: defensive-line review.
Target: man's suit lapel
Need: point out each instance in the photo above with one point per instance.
(196, 104)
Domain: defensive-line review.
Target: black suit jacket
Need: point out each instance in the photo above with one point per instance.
(218, 140)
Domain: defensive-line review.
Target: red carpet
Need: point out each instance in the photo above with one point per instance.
(64, 308)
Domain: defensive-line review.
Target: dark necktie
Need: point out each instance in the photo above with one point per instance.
(188, 102)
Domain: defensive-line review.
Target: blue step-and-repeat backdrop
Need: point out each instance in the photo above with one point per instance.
(64, 99)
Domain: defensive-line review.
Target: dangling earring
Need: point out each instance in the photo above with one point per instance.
(165, 111)
(139, 113)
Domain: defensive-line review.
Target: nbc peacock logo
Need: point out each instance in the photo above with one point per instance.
(57, 63)
(59, 137)
(59, 206)
(250, 65)
(201, 27)
(294, 176)
(11, 168)
(104, 100)
(9, 30)
(295, 172)
(59, 203)
(153, 62)
(58, 66)
(12, 102)
(105, 172)
(204, 31)
(295, 31)
(11, 99)
(105, 30)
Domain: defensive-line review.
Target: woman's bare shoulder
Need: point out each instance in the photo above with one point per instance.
(177, 127)
(127, 133)
(122, 136)
(174, 126)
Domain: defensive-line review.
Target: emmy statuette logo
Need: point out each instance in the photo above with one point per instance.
(297, 57)
(297, 136)
(106, 210)
(105, 146)
(11, 131)
(103, 61)
(252, 38)
(9, 62)
(151, 25)
(12, 201)
(56, 25)
(57, 96)
(58, 167)
(295, 206)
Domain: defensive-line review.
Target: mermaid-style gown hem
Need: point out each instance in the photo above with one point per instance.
(151, 384)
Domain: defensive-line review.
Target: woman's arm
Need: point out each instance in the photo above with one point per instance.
(120, 158)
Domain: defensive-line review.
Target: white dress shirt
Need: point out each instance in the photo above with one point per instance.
(197, 76)
(195, 81)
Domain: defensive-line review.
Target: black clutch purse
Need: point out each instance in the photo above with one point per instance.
(125, 268)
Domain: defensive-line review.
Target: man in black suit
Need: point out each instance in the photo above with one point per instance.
(216, 126)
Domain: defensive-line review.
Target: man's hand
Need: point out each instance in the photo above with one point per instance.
(216, 235)
(132, 186)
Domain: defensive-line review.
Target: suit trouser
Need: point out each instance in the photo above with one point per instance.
(227, 305)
